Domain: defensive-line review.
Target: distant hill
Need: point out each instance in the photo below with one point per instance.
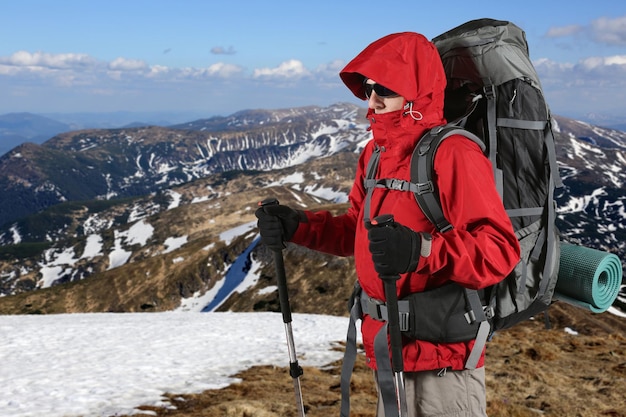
(621, 127)
(17, 128)
(119, 119)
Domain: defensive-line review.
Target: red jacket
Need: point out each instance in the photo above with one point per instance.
(479, 251)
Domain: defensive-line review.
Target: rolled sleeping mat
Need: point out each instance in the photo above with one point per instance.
(588, 278)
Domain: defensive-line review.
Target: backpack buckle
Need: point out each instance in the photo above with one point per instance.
(396, 184)
(404, 321)
(470, 317)
(490, 92)
(374, 308)
(424, 187)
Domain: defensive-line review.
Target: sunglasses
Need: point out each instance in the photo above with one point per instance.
(380, 90)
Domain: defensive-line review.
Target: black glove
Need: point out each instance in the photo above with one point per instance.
(277, 224)
(395, 248)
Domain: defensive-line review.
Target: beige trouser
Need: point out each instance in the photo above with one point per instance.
(449, 394)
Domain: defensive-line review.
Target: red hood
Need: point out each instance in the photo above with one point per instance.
(408, 64)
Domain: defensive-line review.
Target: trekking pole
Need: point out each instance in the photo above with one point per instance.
(294, 368)
(395, 335)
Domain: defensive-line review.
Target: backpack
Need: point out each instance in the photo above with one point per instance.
(494, 92)
(494, 98)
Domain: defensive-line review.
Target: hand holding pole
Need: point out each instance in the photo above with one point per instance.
(395, 335)
(294, 368)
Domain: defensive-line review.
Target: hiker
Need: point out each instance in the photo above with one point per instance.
(402, 79)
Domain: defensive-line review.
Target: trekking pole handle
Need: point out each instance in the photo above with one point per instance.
(383, 220)
(391, 296)
(281, 277)
(271, 201)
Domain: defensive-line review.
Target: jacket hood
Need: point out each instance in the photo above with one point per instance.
(408, 64)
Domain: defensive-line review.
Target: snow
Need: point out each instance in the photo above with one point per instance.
(49, 274)
(103, 364)
(17, 238)
(174, 243)
(176, 198)
(138, 233)
(327, 193)
(241, 275)
(578, 204)
(93, 247)
(54, 268)
(231, 234)
(295, 178)
(314, 190)
(118, 255)
(615, 311)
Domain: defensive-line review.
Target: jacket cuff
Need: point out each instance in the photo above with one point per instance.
(302, 217)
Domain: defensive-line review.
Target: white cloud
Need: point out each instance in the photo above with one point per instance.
(218, 50)
(561, 31)
(548, 65)
(609, 31)
(590, 71)
(124, 64)
(69, 69)
(288, 69)
(615, 63)
(592, 84)
(43, 59)
(616, 60)
(224, 70)
(79, 80)
(157, 70)
(23, 61)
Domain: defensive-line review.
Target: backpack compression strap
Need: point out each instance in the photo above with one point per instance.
(494, 122)
(349, 356)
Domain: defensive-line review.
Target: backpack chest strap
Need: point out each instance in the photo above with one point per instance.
(399, 185)
(370, 182)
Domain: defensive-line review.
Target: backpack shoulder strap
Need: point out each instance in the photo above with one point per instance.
(422, 168)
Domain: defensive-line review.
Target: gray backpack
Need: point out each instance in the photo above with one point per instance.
(494, 92)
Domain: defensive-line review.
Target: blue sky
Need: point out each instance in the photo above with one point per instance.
(216, 58)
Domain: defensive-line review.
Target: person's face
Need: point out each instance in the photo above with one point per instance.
(381, 99)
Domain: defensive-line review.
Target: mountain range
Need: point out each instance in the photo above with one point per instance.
(151, 218)
(18, 128)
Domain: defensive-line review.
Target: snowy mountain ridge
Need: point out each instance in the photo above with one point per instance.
(168, 246)
(113, 163)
